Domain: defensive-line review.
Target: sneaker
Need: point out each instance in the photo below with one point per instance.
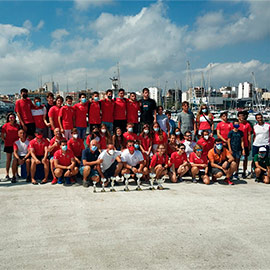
(194, 180)
(244, 175)
(28, 179)
(236, 177)
(180, 179)
(59, 181)
(228, 181)
(258, 180)
(85, 183)
(54, 181)
(67, 181)
(7, 177)
(13, 179)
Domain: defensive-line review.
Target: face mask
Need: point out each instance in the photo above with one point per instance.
(130, 129)
(64, 147)
(177, 133)
(40, 136)
(96, 98)
(156, 129)
(206, 137)
(204, 110)
(24, 95)
(236, 126)
(38, 103)
(146, 131)
(69, 105)
(97, 139)
(75, 136)
(93, 148)
(262, 155)
(131, 148)
(136, 146)
(103, 130)
(111, 152)
(219, 146)
(118, 135)
(109, 97)
(83, 100)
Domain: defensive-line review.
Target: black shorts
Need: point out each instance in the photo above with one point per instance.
(8, 149)
(111, 170)
(40, 158)
(247, 151)
(21, 157)
(31, 128)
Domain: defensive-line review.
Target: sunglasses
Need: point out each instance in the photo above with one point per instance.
(182, 148)
(199, 150)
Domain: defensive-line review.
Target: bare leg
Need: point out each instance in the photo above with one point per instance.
(9, 157)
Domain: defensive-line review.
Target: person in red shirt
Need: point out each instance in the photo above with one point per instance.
(39, 152)
(107, 110)
(54, 113)
(146, 143)
(76, 145)
(224, 127)
(204, 120)
(172, 146)
(9, 135)
(199, 165)
(246, 128)
(50, 103)
(66, 118)
(118, 140)
(179, 164)
(23, 108)
(105, 137)
(159, 163)
(159, 137)
(129, 135)
(94, 135)
(81, 110)
(120, 111)
(64, 161)
(94, 112)
(133, 108)
(39, 115)
(206, 141)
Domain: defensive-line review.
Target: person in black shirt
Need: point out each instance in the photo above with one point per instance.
(50, 102)
(148, 109)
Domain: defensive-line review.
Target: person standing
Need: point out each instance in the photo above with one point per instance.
(94, 116)
(50, 103)
(148, 110)
(107, 110)
(120, 111)
(163, 120)
(186, 120)
(39, 115)
(23, 108)
(171, 122)
(224, 127)
(54, 113)
(204, 120)
(133, 108)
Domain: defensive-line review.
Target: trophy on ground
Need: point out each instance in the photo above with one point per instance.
(118, 179)
(94, 186)
(152, 178)
(161, 181)
(103, 180)
(139, 176)
(112, 184)
(126, 175)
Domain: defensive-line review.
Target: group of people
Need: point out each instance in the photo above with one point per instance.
(131, 136)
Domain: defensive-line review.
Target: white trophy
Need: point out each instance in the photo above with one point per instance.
(152, 178)
(161, 181)
(126, 175)
(103, 180)
(112, 183)
(118, 178)
(139, 176)
(94, 186)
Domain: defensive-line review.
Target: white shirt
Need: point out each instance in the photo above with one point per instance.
(189, 147)
(132, 159)
(108, 160)
(262, 134)
(22, 147)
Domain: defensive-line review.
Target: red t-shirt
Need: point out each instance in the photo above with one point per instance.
(11, 133)
(207, 145)
(64, 159)
(38, 147)
(145, 142)
(157, 159)
(120, 109)
(132, 111)
(224, 129)
(52, 141)
(103, 142)
(130, 136)
(38, 114)
(67, 113)
(23, 107)
(107, 110)
(94, 113)
(198, 160)
(177, 159)
(156, 139)
(76, 146)
(80, 114)
(245, 128)
(54, 112)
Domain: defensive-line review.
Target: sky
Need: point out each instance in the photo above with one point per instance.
(78, 43)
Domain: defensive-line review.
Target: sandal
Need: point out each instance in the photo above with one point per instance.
(34, 182)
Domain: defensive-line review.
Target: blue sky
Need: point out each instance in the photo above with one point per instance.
(152, 40)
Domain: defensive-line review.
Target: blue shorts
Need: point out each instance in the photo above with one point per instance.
(236, 154)
(92, 172)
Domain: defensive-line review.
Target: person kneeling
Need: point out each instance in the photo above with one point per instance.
(64, 162)
(179, 163)
(222, 162)
(199, 165)
(262, 166)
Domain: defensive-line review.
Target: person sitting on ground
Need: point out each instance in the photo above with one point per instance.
(65, 165)
(172, 146)
(53, 147)
(111, 164)
(206, 141)
(145, 143)
(262, 166)
(21, 155)
(222, 162)
(236, 144)
(189, 144)
(199, 165)
(118, 139)
(133, 161)
(160, 162)
(39, 152)
(179, 164)
(89, 163)
(129, 135)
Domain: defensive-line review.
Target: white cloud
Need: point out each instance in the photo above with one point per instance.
(59, 34)
(40, 25)
(85, 4)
